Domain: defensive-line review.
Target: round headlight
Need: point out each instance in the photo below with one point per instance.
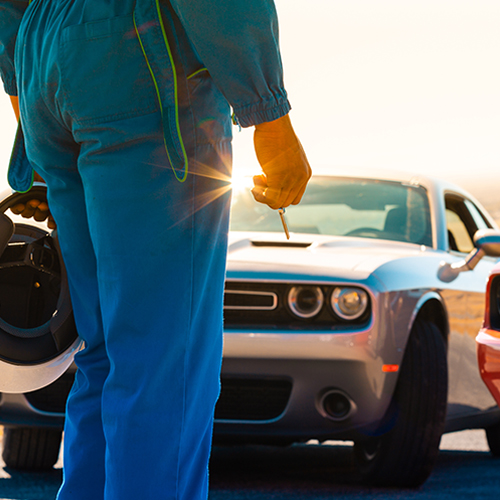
(305, 301)
(349, 303)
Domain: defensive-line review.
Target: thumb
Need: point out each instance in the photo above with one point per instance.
(260, 180)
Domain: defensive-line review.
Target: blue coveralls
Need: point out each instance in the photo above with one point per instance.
(115, 104)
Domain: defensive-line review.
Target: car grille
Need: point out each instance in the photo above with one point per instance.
(240, 399)
(252, 399)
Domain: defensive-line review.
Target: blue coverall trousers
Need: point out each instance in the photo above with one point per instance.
(145, 253)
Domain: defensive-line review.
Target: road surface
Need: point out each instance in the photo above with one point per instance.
(465, 470)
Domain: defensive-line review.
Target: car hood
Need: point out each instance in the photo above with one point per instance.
(270, 255)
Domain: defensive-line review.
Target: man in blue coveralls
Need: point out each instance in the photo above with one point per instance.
(125, 114)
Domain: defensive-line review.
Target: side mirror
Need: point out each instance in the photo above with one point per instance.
(486, 241)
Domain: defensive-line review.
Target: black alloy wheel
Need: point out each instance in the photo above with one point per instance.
(404, 455)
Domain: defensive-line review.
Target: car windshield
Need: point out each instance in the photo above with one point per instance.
(343, 207)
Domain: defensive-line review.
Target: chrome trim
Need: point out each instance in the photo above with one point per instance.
(320, 405)
(301, 281)
(252, 308)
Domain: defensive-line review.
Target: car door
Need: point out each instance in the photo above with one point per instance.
(467, 394)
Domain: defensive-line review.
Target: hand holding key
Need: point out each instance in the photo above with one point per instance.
(286, 170)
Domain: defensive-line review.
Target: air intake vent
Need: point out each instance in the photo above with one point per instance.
(287, 244)
(245, 300)
(249, 399)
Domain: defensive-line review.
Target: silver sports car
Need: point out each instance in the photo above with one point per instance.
(360, 327)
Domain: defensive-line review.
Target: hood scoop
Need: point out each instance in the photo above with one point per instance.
(281, 244)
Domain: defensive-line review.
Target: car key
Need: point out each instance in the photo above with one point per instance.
(281, 211)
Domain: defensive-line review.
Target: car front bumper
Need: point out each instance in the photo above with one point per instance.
(339, 386)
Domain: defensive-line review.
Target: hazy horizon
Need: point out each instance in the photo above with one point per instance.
(411, 86)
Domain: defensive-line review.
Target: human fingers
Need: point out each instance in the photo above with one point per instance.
(260, 180)
(301, 174)
(42, 206)
(266, 193)
(40, 214)
(51, 223)
(299, 195)
(295, 195)
(260, 186)
(287, 189)
(18, 209)
(274, 197)
(36, 209)
(297, 192)
(29, 209)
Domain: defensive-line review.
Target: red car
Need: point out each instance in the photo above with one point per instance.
(488, 339)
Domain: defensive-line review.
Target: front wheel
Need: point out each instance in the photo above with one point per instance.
(405, 454)
(31, 448)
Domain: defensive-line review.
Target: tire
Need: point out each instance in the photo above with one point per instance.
(404, 455)
(31, 448)
(493, 437)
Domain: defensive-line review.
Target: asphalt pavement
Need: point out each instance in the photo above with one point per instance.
(465, 470)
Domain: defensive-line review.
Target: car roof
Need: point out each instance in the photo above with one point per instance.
(428, 182)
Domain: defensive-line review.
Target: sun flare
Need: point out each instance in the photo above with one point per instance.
(241, 181)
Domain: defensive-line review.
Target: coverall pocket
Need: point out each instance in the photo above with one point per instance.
(210, 109)
(104, 74)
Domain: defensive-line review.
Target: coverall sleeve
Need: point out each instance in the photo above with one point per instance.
(11, 12)
(237, 40)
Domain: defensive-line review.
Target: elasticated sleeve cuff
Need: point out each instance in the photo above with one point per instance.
(255, 114)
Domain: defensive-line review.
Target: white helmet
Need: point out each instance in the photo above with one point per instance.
(38, 337)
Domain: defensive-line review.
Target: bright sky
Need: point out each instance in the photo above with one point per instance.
(398, 84)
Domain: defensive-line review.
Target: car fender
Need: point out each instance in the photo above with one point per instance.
(441, 321)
